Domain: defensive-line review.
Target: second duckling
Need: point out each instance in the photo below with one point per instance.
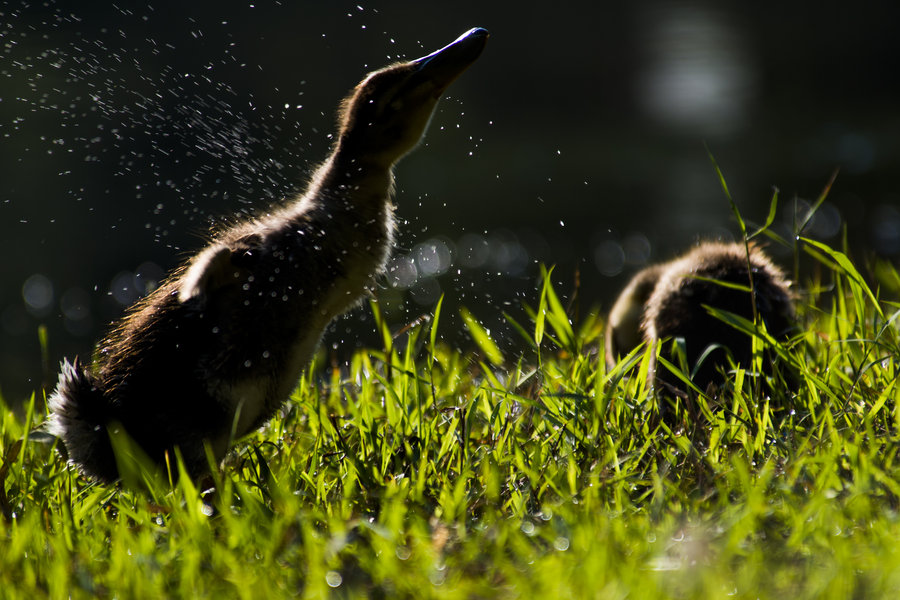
(670, 300)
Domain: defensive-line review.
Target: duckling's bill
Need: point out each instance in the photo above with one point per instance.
(445, 65)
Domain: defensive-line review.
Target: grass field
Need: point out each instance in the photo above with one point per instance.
(421, 470)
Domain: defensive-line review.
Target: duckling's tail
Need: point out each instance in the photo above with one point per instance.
(80, 414)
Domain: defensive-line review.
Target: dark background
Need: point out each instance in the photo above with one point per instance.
(578, 139)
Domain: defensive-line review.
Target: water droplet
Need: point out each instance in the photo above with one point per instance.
(333, 579)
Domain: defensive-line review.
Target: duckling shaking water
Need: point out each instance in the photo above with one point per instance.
(214, 352)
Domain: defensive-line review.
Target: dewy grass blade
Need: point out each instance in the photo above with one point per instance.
(853, 275)
(482, 337)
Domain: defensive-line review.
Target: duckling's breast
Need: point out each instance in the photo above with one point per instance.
(304, 270)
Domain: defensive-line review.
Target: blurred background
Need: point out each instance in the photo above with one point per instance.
(578, 139)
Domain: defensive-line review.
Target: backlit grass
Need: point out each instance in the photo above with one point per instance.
(421, 470)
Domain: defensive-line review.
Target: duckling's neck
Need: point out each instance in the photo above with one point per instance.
(355, 181)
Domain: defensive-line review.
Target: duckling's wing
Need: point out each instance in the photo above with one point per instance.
(208, 272)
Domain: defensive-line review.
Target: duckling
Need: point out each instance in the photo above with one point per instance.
(214, 352)
(623, 329)
(672, 298)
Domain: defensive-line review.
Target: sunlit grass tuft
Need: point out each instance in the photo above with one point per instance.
(420, 470)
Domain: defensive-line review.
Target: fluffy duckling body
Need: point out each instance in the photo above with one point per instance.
(215, 351)
(624, 330)
(672, 299)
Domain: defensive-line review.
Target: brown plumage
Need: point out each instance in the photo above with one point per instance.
(672, 298)
(624, 330)
(214, 352)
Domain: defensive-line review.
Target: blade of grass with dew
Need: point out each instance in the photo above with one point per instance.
(482, 337)
(770, 217)
(556, 315)
(853, 275)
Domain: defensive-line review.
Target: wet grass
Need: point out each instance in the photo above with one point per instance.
(420, 470)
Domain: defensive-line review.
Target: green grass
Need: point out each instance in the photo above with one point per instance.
(422, 470)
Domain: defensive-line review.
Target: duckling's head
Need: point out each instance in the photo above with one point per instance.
(387, 113)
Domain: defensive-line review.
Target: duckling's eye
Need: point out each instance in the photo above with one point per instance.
(387, 108)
